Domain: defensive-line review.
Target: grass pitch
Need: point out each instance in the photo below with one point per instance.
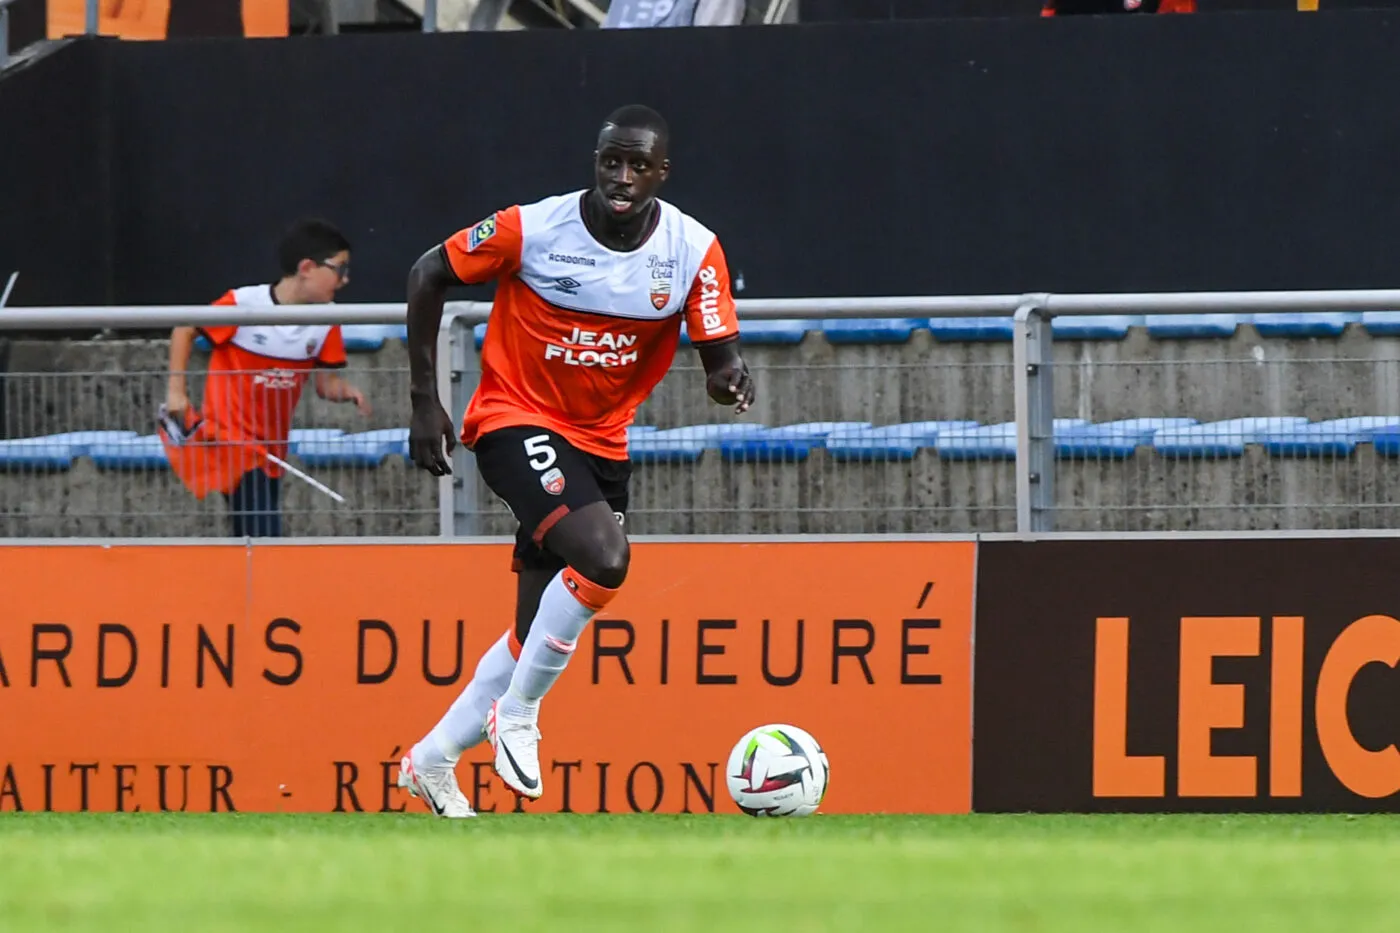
(516, 874)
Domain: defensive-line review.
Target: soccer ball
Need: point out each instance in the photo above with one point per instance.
(777, 770)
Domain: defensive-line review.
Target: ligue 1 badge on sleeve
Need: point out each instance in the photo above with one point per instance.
(481, 233)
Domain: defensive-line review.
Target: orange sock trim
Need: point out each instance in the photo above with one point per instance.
(587, 592)
(513, 644)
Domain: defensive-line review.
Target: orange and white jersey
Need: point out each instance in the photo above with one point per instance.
(580, 334)
(257, 372)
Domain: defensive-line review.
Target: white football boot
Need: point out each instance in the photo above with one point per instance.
(516, 741)
(437, 787)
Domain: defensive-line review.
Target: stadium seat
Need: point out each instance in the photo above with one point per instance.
(991, 442)
(1112, 440)
(479, 335)
(1386, 441)
(970, 329)
(871, 330)
(891, 442)
(1336, 438)
(1218, 438)
(36, 453)
(1094, 326)
(133, 453)
(298, 436)
(772, 333)
(367, 449)
(1381, 323)
(367, 338)
(1187, 326)
(789, 444)
(83, 441)
(675, 445)
(1311, 324)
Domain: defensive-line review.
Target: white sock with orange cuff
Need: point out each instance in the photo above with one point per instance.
(569, 601)
(464, 723)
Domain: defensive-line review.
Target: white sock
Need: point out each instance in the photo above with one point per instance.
(567, 604)
(464, 723)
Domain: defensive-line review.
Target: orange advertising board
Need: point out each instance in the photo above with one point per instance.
(151, 19)
(293, 677)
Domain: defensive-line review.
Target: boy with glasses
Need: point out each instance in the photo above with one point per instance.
(255, 378)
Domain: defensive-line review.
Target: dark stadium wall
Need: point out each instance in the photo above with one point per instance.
(54, 179)
(942, 156)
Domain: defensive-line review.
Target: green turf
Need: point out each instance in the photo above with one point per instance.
(514, 874)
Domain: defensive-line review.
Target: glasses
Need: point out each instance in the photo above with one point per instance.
(341, 271)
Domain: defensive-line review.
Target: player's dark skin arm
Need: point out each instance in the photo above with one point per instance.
(430, 428)
(727, 379)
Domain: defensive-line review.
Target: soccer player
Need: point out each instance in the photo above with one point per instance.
(256, 374)
(592, 286)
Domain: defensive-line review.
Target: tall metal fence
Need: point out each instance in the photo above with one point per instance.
(1029, 413)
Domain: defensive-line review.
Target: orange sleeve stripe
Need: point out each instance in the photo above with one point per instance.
(333, 349)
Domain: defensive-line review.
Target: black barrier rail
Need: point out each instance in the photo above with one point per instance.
(951, 156)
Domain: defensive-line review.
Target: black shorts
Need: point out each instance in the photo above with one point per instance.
(541, 478)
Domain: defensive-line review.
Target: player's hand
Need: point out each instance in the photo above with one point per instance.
(429, 430)
(176, 400)
(732, 385)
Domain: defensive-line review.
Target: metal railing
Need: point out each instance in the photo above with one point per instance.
(89, 26)
(1096, 488)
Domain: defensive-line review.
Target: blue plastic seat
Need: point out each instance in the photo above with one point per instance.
(298, 436)
(971, 329)
(1304, 324)
(1336, 438)
(891, 442)
(773, 333)
(1112, 440)
(990, 442)
(479, 334)
(36, 453)
(788, 444)
(366, 449)
(83, 441)
(133, 453)
(675, 445)
(871, 330)
(367, 338)
(1187, 326)
(1381, 323)
(1094, 326)
(1218, 438)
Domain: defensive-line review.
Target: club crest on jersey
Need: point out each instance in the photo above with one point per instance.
(553, 481)
(662, 271)
(660, 294)
(481, 233)
(311, 347)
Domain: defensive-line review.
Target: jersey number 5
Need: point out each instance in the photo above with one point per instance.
(542, 456)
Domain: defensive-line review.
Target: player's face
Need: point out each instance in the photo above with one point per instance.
(630, 166)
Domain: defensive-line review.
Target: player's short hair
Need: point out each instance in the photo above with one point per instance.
(310, 238)
(639, 117)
